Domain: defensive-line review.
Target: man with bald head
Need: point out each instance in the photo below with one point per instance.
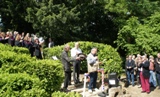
(76, 64)
(93, 66)
(66, 65)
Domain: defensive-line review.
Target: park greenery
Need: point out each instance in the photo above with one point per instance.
(117, 27)
(108, 55)
(103, 21)
(24, 76)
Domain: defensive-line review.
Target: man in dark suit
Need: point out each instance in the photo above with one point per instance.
(130, 64)
(66, 65)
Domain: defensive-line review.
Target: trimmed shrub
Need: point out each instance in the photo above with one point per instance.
(50, 72)
(7, 47)
(62, 94)
(20, 85)
(113, 61)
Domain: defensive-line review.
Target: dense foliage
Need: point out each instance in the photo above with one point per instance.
(136, 37)
(78, 20)
(20, 85)
(113, 61)
(18, 50)
(48, 72)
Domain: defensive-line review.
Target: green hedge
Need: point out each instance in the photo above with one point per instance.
(62, 94)
(20, 85)
(113, 61)
(18, 50)
(49, 72)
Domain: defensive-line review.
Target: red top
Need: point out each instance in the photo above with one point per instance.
(151, 66)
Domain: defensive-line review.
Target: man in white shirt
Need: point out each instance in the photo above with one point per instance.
(76, 65)
(51, 43)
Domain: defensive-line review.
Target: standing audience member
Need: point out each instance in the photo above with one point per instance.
(152, 78)
(37, 49)
(138, 69)
(76, 64)
(18, 41)
(130, 70)
(11, 39)
(93, 66)
(26, 36)
(22, 38)
(15, 34)
(67, 65)
(157, 63)
(51, 43)
(41, 42)
(133, 57)
(144, 75)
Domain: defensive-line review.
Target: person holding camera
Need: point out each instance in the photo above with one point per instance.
(75, 52)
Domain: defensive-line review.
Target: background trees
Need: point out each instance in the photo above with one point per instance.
(105, 21)
(13, 14)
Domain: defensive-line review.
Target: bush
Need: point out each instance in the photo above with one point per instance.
(49, 72)
(113, 61)
(18, 50)
(20, 85)
(62, 94)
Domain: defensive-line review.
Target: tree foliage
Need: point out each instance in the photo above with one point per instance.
(136, 37)
(73, 20)
(13, 14)
(77, 20)
(113, 61)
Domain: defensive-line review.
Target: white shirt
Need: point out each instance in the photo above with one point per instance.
(49, 45)
(75, 51)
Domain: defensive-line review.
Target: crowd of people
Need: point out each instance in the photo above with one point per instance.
(146, 70)
(76, 57)
(30, 41)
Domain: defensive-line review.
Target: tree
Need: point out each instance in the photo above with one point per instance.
(136, 37)
(54, 20)
(13, 14)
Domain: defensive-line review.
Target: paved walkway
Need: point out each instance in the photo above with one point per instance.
(136, 92)
(133, 91)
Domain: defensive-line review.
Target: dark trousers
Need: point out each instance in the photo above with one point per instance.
(76, 71)
(93, 80)
(66, 79)
(158, 78)
(69, 81)
(138, 77)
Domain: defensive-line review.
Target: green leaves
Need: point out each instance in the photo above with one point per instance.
(136, 37)
(105, 52)
(55, 20)
(48, 72)
(20, 85)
